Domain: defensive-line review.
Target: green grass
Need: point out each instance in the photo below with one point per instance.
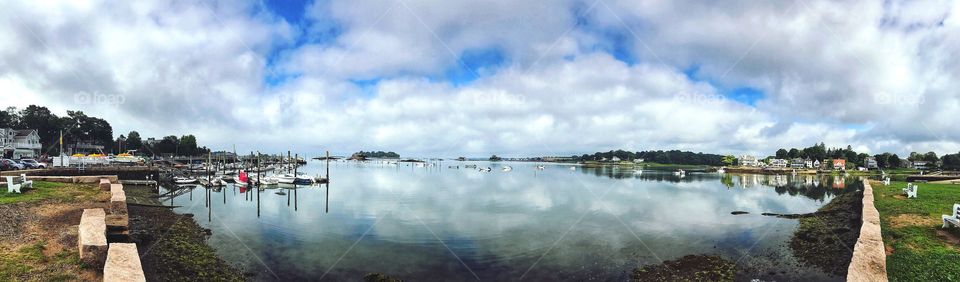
(919, 254)
(49, 190)
(31, 264)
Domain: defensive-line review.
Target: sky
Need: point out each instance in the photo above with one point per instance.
(512, 78)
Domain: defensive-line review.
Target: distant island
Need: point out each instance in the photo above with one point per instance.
(377, 155)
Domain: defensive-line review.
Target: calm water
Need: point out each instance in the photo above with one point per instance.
(437, 223)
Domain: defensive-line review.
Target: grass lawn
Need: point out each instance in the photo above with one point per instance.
(922, 251)
(49, 190)
(31, 263)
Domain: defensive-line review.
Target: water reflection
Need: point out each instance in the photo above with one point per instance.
(434, 222)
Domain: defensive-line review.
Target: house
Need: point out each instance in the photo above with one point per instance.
(19, 143)
(615, 159)
(797, 163)
(637, 160)
(921, 165)
(839, 164)
(871, 163)
(816, 164)
(747, 160)
(808, 163)
(781, 163)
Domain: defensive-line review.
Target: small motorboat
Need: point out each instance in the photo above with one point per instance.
(680, 173)
(573, 168)
(486, 169)
(267, 181)
(540, 167)
(298, 179)
(721, 170)
(185, 180)
(637, 171)
(507, 168)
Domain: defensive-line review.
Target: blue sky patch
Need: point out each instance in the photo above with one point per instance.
(474, 63)
(746, 95)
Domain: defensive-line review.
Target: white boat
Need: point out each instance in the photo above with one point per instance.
(721, 170)
(299, 179)
(185, 180)
(540, 167)
(680, 173)
(507, 168)
(637, 172)
(267, 181)
(486, 169)
(573, 168)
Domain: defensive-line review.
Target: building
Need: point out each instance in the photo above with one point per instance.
(637, 160)
(797, 163)
(808, 163)
(615, 159)
(839, 164)
(20, 143)
(871, 163)
(780, 163)
(747, 160)
(84, 147)
(816, 164)
(921, 165)
(151, 141)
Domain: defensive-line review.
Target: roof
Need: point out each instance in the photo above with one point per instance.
(25, 132)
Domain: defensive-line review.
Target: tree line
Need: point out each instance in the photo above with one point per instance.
(378, 154)
(78, 127)
(884, 160)
(659, 156)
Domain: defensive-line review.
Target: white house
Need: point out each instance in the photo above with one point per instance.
(614, 159)
(748, 160)
(871, 163)
(637, 160)
(19, 144)
(797, 163)
(816, 164)
(781, 163)
(808, 163)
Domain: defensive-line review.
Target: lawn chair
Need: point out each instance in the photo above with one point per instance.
(909, 187)
(24, 182)
(912, 192)
(11, 186)
(886, 181)
(952, 220)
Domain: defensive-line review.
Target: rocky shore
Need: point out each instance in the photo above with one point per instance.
(172, 246)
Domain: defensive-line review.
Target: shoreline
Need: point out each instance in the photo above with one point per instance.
(174, 247)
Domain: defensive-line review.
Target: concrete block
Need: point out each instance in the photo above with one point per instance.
(118, 203)
(123, 264)
(92, 237)
(104, 184)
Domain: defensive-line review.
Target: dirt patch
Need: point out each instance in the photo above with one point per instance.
(825, 239)
(901, 197)
(948, 237)
(38, 239)
(688, 268)
(907, 220)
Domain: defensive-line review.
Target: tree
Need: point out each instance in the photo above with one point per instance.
(494, 158)
(45, 122)
(8, 118)
(729, 160)
(794, 153)
(931, 157)
(133, 141)
(782, 154)
(895, 161)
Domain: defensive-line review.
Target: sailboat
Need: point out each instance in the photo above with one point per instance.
(241, 178)
(507, 168)
(185, 180)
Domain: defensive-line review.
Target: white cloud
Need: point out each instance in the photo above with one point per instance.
(875, 75)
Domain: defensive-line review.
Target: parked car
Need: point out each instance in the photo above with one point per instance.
(8, 164)
(33, 163)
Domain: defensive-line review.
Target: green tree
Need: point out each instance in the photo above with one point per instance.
(133, 141)
(782, 154)
(45, 122)
(494, 158)
(895, 161)
(794, 153)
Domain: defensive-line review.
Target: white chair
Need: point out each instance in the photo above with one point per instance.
(910, 186)
(912, 192)
(886, 181)
(11, 186)
(952, 220)
(24, 182)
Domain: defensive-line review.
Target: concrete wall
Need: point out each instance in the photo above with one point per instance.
(869, 262)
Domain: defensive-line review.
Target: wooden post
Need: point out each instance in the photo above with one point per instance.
(328, 167)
